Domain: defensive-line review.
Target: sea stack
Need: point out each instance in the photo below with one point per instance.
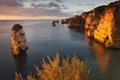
(18, 40)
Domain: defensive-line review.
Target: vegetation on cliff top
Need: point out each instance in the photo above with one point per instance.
(71, 68)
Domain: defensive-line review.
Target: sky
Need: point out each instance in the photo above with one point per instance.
(46, 9)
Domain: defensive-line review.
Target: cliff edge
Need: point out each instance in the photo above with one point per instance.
(102, 24)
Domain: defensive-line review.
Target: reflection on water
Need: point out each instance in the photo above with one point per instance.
(20, 62)
(107, 60)
(102, 55)
(45, 40)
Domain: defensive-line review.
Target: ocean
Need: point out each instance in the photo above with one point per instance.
(45, 40)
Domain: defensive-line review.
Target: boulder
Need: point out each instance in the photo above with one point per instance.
(18, 40)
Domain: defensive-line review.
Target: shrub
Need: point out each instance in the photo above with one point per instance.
(71, 68)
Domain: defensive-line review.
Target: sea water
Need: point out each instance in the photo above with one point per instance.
(45, 40)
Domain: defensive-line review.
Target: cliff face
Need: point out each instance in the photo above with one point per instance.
(103, 24)
(76, 21)
(18, 40)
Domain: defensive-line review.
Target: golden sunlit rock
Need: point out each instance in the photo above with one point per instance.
(18, 40)
(103, 24)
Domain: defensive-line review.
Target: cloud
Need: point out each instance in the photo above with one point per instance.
(65, 7)
(32, 12)
(80, 4)
(60, 1)
(17, 8)
(79, 11)
(39, 1)
(11, 3)
(38, 5)
(86, 4)
(52, 4)
(90, 4)
(46, 5)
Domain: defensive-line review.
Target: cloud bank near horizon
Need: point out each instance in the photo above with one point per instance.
(37, 8)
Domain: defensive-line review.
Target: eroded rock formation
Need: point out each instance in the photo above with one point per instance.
(76, 21)
(18, 40)
(102, 24)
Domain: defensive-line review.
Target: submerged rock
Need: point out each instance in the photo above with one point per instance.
(18, 40)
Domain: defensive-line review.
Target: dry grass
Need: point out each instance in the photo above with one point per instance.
(70, 69)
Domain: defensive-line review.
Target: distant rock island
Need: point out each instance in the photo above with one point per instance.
(102, 24)
(54, 22)
(18, 40)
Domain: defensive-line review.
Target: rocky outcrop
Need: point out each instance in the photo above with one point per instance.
(18, 40)
(76, 21)
(65, 21)
(103, 24)
(54, 22)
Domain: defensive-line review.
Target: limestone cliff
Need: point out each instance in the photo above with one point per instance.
(103, 24)
(76, 21)
(18, 40)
